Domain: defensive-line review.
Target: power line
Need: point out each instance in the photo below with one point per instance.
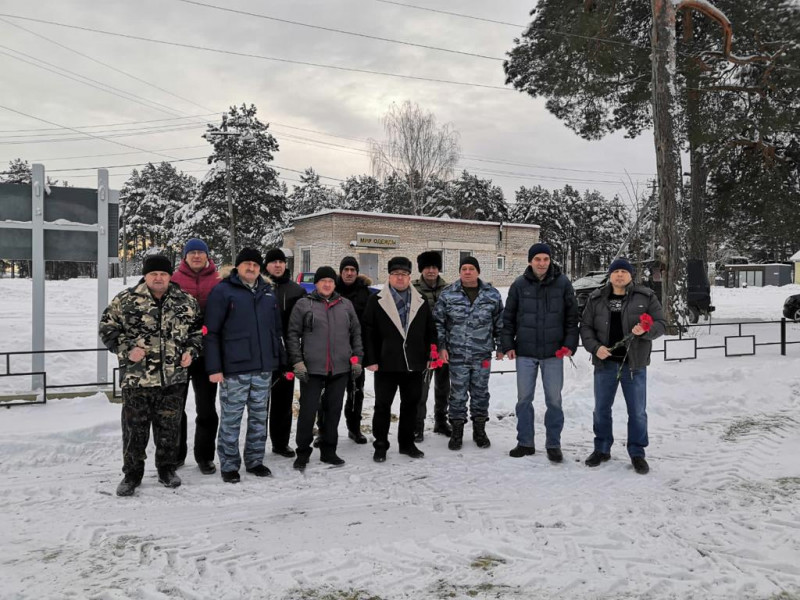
(109, 124)
(260, 56)
(340, 31)
(175, 160)
(114, 154)
(66, 73)
(452, 14)
(108, 66)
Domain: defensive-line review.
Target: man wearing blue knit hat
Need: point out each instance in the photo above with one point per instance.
(539, 320)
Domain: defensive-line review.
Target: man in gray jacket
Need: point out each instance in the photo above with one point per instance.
(617, 328)
(325, 347)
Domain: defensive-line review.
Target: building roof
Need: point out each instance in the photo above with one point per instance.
(795, 257)
(358, 213)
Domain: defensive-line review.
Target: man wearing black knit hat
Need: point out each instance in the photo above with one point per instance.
(243, 347)
(399, 334)
(540, 319)
(287, 293)
(355, 287)
(430, 285)
(154, 328)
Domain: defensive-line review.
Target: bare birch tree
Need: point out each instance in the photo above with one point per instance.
(416, 148)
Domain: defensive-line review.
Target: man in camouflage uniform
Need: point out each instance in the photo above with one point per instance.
(430, 285)
(469, 320)
(154, 329)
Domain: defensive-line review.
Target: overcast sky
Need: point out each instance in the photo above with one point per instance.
(340, 108)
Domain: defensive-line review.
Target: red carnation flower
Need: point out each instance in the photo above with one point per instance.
(645, 321)
(562, 352)
(485, 364)
(204, 330)
(289, 375)
(353, 360)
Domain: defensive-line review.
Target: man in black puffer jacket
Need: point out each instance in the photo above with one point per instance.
(287, 292)
(355, 287)
(541, 317)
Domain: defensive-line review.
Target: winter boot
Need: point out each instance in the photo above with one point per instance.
(442, 426)
(456, 435)
(411, 451)
(259, 471)
(127, 486)
(168, 477)
(479, 432)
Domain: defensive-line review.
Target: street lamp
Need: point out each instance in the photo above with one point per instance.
(227, 159)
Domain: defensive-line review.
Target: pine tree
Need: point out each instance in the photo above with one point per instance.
(362, 192)
(311, 196)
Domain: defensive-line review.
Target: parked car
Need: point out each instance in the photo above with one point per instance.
(306, 281)
(699, 292)
(791, 308)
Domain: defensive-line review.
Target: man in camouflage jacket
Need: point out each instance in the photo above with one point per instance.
(469, 320)
(154, 328)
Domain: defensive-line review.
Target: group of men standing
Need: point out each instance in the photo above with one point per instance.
(252, 335)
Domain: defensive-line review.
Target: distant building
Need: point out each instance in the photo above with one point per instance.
(325, 237)
(796, 260)
(757, 275)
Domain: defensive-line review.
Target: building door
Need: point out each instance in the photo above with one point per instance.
(369, 265)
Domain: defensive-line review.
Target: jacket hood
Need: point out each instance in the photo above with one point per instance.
(232, 274)
(361, 281)
(440, 283)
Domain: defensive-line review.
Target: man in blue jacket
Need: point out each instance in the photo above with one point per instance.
(541, 317)
(243, 347)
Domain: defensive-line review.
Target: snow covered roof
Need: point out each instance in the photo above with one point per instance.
(359, 213)
(795, 257)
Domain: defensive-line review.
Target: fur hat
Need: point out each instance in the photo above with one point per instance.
(540, 248)
(249, 254)
(274, 254)
(349, 261)
(399, 263)
(156, 262)
(324, 273)
(429, 259)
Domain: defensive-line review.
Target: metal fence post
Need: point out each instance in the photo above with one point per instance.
(783, 336)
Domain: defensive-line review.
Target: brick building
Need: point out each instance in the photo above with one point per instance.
(325, 237)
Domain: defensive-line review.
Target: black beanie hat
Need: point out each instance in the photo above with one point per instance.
(349, 261)
(470, 260)
(156, 262)
(324, 273)
(540, 248)
(429, 259)
(249, 254)
(399, 263)
(621, 263)
(274, 254)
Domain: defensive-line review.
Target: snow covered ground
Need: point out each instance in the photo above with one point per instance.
(717, 517)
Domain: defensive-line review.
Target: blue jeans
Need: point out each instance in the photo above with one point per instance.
(634, 388)
(552, 380)
(249, 390)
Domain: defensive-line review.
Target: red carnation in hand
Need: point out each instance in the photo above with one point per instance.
(289, 375)
(353, 360)
(485, 364)
(434, 352)
(645, 322)
(562, 352)
(204, 330)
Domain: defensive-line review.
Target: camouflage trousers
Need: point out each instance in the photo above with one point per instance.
(141, 406)
(469, 379)
(236, 392)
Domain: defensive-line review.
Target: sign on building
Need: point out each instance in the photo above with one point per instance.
(376, 240)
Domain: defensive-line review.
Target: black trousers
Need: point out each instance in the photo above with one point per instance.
(207, 420)
(386, 385)
(280, 410)
(354, 403)
(441, 393)
(329, 406)
(141, 407)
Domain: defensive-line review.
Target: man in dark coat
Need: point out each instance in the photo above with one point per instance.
(430, 285)
(612, 332)
(287, 293)
(540, 317)
(243, 347)
(355, 287)
(324, 345)
(197, 275)
(399, 334)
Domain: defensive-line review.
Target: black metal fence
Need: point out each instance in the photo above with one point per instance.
(684, 346)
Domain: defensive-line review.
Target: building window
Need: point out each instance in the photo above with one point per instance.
(751, 278)
(305, 260)
(501, 263)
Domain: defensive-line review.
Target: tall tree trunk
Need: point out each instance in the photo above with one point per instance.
(697, 244)
(667, 156)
